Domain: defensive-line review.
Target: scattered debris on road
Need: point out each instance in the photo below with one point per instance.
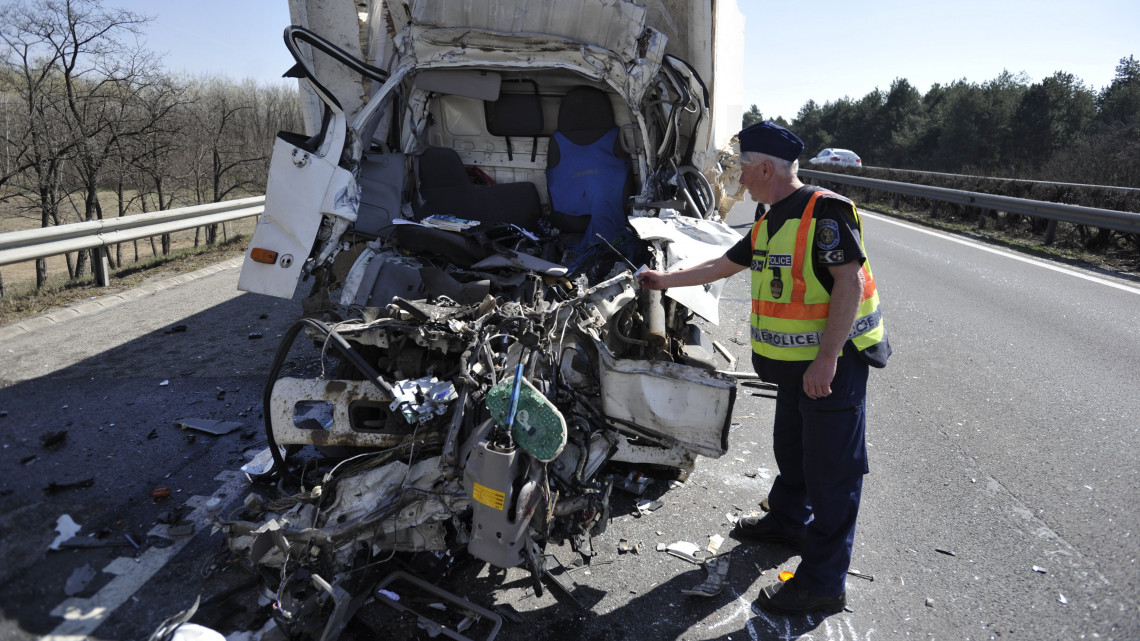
(66, 528)
(217, 428)
(716, 568)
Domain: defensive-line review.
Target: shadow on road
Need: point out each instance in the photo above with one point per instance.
(98, 439)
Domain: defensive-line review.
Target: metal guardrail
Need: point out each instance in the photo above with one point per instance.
(1126, 190)
(33, 244)
(1075, 214)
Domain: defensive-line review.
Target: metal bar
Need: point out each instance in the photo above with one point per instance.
(1046, 183)
(32, 244)
(1076, 214)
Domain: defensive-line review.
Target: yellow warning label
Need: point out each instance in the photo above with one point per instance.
(489, 497)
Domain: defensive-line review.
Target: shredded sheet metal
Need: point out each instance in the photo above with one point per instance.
(717, 569)
(689, 242)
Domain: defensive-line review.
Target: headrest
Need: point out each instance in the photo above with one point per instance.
(515, 114)
(585, 109)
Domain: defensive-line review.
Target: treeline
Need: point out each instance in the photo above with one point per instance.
(1058, 129)
(87, 110)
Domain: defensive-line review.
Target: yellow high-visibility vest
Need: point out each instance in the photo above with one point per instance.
(788, 316)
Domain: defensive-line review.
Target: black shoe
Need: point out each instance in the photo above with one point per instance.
(765, 528)
(789, 599)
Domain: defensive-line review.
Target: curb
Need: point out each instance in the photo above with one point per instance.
(82, 308)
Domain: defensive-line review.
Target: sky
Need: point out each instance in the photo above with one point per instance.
(823, 51)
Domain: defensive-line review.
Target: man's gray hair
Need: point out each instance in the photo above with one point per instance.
(790, 167)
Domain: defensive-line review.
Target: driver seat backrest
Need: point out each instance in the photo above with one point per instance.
(446, 188)
(588, 172)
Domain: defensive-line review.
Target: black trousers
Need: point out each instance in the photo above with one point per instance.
(822, 456)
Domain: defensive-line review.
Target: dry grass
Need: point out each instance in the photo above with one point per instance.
(24, 301)
(134, 262)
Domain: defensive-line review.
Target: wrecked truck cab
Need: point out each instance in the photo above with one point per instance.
(469, 237)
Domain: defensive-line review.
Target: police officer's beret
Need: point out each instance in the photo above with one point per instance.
(769, 138)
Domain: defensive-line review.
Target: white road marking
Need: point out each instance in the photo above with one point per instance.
(1006, 253)
(83, 616)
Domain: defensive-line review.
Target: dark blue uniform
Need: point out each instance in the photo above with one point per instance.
(819, 443)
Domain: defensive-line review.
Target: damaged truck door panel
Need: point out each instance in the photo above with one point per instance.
(467, 236)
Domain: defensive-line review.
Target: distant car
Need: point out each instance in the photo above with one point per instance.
(837, 157)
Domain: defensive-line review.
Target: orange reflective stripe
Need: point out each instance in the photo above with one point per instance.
(799, 286)
(756, 229)
(790, 311)
(806, 311)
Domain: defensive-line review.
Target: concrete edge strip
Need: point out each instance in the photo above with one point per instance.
(83, 616)
(90, 306)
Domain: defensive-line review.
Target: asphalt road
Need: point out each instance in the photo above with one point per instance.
(1001, 502)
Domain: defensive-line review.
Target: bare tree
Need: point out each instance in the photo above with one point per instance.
(78, 76)
(228, 156)
(31, 75)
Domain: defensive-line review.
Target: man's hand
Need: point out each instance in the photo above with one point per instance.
(706, 272)
(818, 377)
(652, 279)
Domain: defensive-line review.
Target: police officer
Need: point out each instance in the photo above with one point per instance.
(816, 327)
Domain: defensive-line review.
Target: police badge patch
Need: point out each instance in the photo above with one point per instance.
(827, 234)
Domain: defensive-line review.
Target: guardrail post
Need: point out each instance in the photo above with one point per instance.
(898, 200)
(934, 209)
(100, 266)
(1050, 232)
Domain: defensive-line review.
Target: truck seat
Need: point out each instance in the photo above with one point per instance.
(445, 188)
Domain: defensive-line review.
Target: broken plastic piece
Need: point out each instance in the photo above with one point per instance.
(785, 575)
(717, 569)
(634, 483)
(715, 542)
(946, 552)
(861, 575)
(66, 528)
(685, 550)
(625, 546)
(259, 466)
(160, 493)
(646, 506)
(217, 428)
